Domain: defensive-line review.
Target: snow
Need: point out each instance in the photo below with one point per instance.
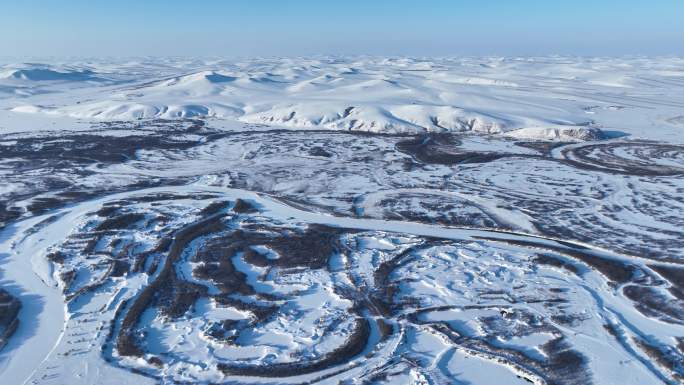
(489, 266)
(537, 98)
(475, 370)
(468, 302)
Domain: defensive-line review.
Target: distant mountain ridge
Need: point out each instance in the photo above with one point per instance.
(534, 99)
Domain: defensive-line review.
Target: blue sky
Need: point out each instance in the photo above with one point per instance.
(310, 27)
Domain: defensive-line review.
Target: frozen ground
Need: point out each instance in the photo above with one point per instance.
(355, 221)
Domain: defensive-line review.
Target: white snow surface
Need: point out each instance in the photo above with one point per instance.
(455, 225)
(557, 98)
(473, 268)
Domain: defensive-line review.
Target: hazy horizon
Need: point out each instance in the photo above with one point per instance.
(304, 27)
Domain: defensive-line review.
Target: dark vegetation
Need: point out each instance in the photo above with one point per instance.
(215, 208)
(74, 152)
(605, 157)
(616, 271)
(312, 248)
(444, 149)
(8, 214)
(561, 365)
(86, 148)
(244, 207)
(309, 248)
(217, 265)
(382, 299)
(551, 260)
(9, 313)
(675, 275)
(120, 222)
(162, 246)
(544, 147)
(173, 295)
(58, 257)
(433, 208)
(667, 358)
(320, 152)
(652, 303)
(353, 347)
(564, 365)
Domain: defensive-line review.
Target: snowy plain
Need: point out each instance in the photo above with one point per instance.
(343, 220)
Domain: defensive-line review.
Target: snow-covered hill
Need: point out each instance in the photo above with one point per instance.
(547, 98)
(40, 74)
